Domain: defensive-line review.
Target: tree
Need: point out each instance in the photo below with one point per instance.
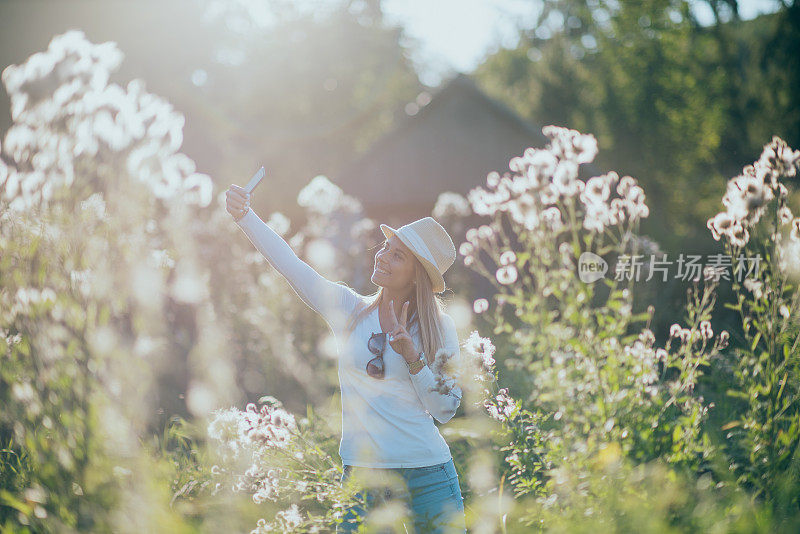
(673, 103)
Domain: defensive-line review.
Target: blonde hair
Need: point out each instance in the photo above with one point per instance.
(425, 310)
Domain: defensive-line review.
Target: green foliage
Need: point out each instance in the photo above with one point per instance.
(763, 432)
(47, 387)
(611, 495)
(591, 375)
(676, 104)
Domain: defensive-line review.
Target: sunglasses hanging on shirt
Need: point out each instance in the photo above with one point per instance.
(377, 346)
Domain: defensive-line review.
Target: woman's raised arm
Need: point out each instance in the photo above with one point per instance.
(333, 301)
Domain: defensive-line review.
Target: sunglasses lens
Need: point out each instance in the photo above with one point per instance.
(377, 343)
(375, 368)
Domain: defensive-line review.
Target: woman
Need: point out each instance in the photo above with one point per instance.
(385, 341)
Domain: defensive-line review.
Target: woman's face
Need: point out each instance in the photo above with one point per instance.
(394, 265)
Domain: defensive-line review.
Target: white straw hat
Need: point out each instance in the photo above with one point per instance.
(430, 243)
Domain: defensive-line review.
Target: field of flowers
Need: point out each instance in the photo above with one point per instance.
(123, 280)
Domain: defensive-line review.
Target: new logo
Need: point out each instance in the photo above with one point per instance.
(591, 267)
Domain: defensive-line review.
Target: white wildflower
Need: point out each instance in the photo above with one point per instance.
(541, 165)
(225, 428)
(552, 217)
(508, 257)
(705, 330)
(480, 305)
(738, 234)
(720, 224)
(485, 231)
(320, 195)
(451, 204)
(506, 274)
(785, 215)
(597, 190)
(724, 336)
(502, 407)
(565, 177)
(795, 233)
(524, 211)
(290, 518)
(481, 348)
(482, 201)
(624, 185)
(279, 222)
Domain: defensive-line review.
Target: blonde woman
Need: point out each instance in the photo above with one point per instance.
(386, 344)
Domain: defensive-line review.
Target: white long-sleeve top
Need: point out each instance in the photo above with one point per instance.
(385, 423)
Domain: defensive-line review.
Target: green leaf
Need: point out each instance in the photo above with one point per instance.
(8, 499)
(756, 339)
(737, 394)
(730, 306)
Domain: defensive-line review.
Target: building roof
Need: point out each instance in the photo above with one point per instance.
(451, 144)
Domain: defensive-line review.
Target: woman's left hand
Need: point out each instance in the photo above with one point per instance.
(398, 336)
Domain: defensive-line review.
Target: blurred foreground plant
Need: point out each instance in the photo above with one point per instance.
(90, 180)
(588, 373)
(760, 232)
(263, 452)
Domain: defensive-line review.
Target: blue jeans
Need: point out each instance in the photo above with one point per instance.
(432, 491)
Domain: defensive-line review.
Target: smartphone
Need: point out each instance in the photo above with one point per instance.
(255, 180)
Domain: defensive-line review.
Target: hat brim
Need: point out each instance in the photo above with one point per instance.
(437, 280)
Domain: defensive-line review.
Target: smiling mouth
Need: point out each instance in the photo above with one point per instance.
(379, 270)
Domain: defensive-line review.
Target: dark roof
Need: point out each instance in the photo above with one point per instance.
(449, 145)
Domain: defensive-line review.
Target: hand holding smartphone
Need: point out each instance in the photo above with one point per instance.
(238, 198)
(255, 180)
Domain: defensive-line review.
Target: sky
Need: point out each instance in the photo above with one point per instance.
(455, 35)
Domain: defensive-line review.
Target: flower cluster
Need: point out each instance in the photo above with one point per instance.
(507, 273)
(450, 205)
(476, 238)
(757, 288)
(638, 368)
(703, 334)
(249, 435)
(643, 357)
(65, 111)
(271, 426)
(482, 350)
(502, 407)
(336, 230)
(748, 195)
(285, 521)
(540, 179)
(571, 145)
(226, 429)
(478, 363)
(601, 211)
(324, 197)
(445, 371)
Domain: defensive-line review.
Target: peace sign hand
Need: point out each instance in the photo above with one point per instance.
(399, 338)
